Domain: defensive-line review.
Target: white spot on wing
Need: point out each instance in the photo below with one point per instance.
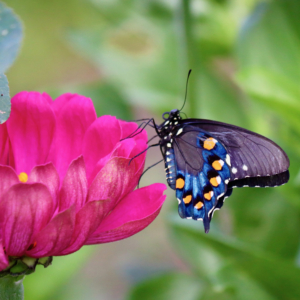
(169, 145)
(228, 160)
(245, 168)
(234, 170)
(179, 131)
(179, 201)
(226, 181)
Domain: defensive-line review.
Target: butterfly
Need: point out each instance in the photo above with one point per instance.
(204, 160)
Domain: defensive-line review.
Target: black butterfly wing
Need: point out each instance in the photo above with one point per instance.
(253, 157)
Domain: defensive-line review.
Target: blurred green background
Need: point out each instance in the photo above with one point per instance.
(132, 57)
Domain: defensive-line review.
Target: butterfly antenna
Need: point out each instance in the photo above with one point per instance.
(186, 88)
(184, 114)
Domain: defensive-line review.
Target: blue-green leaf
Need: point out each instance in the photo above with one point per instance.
(4, 99)
(10, 37)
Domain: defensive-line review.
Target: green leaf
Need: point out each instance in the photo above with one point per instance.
(4, 99)
(258, 216)
(229, 283)
(10, 37)
(275, 91)
(269, 62)
(270, 39)
(277, 276)
(168, 287)
(44, 283)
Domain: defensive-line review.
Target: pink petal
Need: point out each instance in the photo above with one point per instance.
(74, 115)
(74, 188)
(56, 236)
(139, 159)
(135, 158)
(3, 258)
(114, 181)
(8, 178)
(99, 141)
(31, 128)
(3, 145)
(58, 104)
(140, 143)
(48, 176)
(123, 149)
(25, 210)
(136, 211)
(87, 220)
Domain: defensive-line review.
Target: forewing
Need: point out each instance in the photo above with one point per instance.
(251, 154)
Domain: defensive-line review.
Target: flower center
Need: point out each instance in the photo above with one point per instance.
(23, 177)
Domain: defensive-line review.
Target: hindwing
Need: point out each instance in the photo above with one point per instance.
(199, 164)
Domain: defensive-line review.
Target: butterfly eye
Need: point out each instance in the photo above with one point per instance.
(165, 116)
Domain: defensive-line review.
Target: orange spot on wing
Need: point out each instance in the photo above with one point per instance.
(199, 205)
(209, 143)
(214, 181)
(208, 196)
(179, 183)
(187, 199)
(217, 165)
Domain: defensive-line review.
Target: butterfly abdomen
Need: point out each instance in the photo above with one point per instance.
(170, 168)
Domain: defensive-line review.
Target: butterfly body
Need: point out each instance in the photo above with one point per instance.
(205, 159)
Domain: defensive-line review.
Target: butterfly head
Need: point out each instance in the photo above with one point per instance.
(171, 119)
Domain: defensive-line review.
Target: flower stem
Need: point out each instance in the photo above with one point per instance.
(11, 288)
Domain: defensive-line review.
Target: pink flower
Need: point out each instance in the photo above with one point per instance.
(65, 178)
